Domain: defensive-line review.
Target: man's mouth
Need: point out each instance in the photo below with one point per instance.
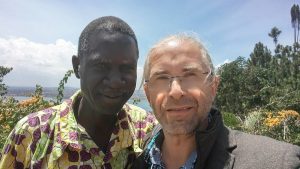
(112, 96)
(179, 109)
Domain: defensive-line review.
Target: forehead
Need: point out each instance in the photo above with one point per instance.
(107, 46)
(104, 38)
(178, 55)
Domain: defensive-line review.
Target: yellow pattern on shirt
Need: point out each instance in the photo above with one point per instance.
(53, 139)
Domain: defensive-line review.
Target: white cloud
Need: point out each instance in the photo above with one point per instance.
(21, 53)
(220, 64)
(35, 63)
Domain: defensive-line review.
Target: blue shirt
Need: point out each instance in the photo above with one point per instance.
(154, 159)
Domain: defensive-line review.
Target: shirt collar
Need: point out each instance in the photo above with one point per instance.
(123, 134)
(67, 125)
(154, 158)
(68, 131)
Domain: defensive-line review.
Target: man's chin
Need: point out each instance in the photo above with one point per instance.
(111, 109)
(108, 106)
(179, 129)
(112, 100)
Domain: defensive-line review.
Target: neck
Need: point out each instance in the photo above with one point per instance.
(91, 117)
(173, 144)
(97, 124)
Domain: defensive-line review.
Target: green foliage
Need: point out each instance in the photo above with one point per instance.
(136, 100)
(229, 98)
(295, 20)
(282, 125)
(12, 110)
(260, 57)
(261, 89)
(264, 81)
(275, 32)
(3, 72)
(61, 86)
(231, 120)
(253, 122)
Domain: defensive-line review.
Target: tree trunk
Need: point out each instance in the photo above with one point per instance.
(295, 35)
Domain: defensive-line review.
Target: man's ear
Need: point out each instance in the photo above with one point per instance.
(76, 65)
(215, 85)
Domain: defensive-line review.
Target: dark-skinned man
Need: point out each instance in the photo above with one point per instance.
(95, 128)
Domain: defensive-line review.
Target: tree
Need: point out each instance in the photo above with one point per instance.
(229, 98)
(295, 20)
(3, 72)
(263, 81)
(261, 56)
(275, 32)
(61, 86)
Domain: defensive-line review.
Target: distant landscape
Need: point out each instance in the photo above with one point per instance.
(50, 93)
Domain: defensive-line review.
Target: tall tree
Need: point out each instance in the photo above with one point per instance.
(3, 72)
(229, 98)
(275, 32)
(261, 56)
(298, 21)
(295, 18)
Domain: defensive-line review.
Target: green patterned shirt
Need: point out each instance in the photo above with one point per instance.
(52, 138)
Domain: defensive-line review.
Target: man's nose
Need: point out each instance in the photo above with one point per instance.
(115, 80)
(175, 89)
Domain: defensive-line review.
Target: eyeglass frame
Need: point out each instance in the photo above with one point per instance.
(172, 78)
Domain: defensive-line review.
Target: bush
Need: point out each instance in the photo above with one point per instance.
(253, 122)
(231, 120)
(12, 111)
(283, 125)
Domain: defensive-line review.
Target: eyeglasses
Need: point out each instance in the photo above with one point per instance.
(189, 79)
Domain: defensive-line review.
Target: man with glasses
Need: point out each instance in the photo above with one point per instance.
(180, 86)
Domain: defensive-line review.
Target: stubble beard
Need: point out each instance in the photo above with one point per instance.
(184, 127)
(180, 127)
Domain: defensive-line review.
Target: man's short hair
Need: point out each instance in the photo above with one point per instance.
(110, 24)
(189, 37)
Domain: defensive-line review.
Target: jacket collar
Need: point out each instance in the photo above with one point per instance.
(214, 145)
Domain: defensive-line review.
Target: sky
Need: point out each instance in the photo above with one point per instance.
(38, 38)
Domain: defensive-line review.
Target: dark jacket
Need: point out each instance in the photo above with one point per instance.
(219, 147)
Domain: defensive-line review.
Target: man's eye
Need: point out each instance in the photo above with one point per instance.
(162, 77)
(127, 68)
(101, 66)
(190, 74)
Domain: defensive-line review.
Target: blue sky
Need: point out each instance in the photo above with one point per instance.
(38, 38)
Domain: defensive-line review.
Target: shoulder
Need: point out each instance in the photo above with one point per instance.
(32, 126)
(25, 136)
(142, 122)
(258, 141)
(265, 151)
(38, 119)
(138, 114)
(35, 125)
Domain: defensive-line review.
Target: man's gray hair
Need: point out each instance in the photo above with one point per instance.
(189, 37)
